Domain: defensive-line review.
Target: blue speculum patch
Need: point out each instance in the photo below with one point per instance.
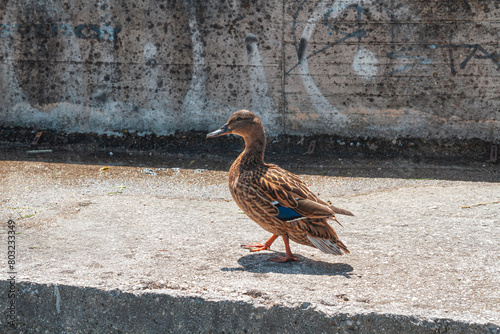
(287, 213)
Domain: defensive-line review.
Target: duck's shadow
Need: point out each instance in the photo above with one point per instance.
(259, 263)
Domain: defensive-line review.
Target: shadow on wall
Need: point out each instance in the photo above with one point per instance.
(407, 160)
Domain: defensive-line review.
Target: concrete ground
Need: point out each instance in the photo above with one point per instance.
(109, 248)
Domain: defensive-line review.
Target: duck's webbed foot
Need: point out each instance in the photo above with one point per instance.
(256, 247)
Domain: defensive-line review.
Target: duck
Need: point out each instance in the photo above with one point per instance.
(276, 199)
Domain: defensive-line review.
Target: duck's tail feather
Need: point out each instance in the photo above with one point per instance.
(329, 246)
(341, 211)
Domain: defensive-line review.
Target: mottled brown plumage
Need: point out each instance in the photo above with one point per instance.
(279, 201)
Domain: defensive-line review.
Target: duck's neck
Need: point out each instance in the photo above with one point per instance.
(255, 146)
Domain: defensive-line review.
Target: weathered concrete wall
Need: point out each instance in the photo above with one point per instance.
(384, 69)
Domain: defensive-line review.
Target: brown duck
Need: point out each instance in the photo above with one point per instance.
(279, 201)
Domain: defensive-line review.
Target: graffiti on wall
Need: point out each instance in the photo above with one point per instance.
(351, 25)
(53, 30)
(473, 54)
(330, 19)
(301, 46)
(474, 51)
(56, 76)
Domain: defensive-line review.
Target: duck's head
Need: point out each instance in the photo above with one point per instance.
(243, 123)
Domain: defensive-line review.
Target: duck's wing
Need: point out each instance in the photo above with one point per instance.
(291, 195)
(311, 202)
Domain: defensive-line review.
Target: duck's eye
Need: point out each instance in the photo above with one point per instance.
(238, 118)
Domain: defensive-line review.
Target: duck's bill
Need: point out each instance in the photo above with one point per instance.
(224, 130)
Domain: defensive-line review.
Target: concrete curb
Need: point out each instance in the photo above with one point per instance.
(48, 308)
(155, 250)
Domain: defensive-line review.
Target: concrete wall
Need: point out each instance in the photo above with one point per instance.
(384, 69)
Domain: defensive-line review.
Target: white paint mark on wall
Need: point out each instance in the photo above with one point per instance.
(195, 100)
(319, 102)
(262, 103)
(365, 63)
(149, 51)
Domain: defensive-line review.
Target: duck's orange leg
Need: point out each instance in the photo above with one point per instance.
(289, 256)
(255, 246)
